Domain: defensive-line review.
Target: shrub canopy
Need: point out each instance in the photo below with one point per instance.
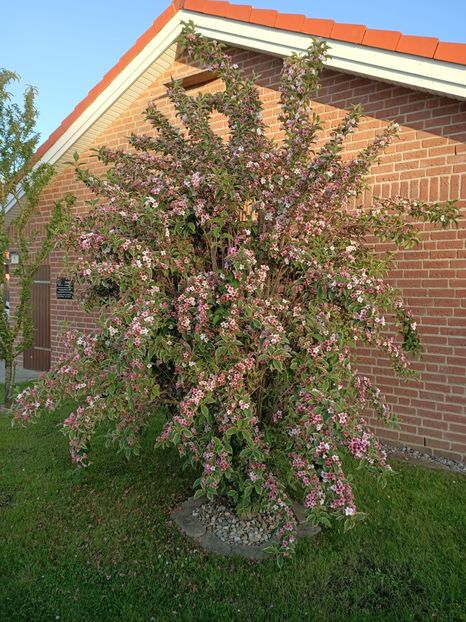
(235, 280)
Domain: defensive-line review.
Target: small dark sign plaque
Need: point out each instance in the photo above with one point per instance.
(65, 289)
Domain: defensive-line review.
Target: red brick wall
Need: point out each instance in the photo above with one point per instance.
(428, 162)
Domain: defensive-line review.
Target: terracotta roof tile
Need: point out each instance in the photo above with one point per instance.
(215, 8)
(385, 39)
(290, 22)
(263, 17)
(353, 33)
(201, 6)
(419, 46)
(318, 27)
(451, 52)
(241, 12)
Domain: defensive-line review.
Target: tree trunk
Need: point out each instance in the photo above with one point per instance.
(10, 372)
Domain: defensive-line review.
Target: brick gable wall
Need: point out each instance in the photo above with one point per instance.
(428, 162)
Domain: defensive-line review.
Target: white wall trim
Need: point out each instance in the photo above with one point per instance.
(414, 72)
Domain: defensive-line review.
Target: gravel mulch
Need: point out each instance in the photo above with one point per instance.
(218, 518)
(415, 456)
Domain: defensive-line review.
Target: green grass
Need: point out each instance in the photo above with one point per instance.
(101, 547)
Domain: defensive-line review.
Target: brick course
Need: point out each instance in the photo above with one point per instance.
(428, 162)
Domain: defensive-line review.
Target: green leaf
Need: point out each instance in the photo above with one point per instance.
(218, 444)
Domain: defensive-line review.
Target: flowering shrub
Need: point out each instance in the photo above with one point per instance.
(235, 279)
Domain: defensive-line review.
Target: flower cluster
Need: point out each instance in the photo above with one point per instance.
(234, 285)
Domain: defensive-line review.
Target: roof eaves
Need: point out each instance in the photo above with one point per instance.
(427, 47)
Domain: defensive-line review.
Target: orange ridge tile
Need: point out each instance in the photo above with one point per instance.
(385, 39)
(318, 27)
(419, 46)
(290, 21)
(263, 17)
(199, 6)
(353, 33)
(451, 52)
(240, 12)
(218, 8)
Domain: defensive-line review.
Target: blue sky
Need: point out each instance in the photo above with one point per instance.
(64, 48)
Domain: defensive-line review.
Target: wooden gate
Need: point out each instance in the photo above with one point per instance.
(38, 357)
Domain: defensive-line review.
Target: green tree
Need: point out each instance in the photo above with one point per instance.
(22, 181)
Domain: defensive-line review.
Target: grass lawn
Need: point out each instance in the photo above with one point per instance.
(101, 547)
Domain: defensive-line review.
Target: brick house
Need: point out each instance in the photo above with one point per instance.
(417, 81)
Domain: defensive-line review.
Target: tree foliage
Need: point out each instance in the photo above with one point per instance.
(235, 283)
(21, 182)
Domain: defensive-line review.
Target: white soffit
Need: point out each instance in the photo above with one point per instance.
(414, 72)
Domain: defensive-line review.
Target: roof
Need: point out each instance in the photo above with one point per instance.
(353, 33)
(422, 63)
(426, 47)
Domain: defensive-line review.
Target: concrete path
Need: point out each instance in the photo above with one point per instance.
(22, 375)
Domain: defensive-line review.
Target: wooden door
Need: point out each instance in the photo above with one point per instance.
(38, 357)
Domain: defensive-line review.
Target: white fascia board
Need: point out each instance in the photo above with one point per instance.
(415, 72)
